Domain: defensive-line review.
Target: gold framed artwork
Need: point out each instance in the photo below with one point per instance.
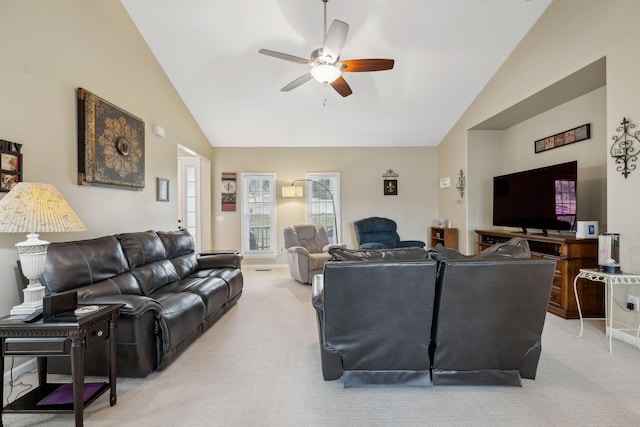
(563, 138)
(110, 144)
(10, 165)
(390, 187)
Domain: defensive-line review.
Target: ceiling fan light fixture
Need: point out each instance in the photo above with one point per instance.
(325, 73)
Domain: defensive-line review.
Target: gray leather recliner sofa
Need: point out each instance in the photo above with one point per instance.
(396, 317)
(170, 294)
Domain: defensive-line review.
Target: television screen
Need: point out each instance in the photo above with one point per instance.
(543, 198)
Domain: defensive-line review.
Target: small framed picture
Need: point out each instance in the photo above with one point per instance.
(162, 188)
(390, 187)
(10, 165)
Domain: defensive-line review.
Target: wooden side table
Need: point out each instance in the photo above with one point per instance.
(57, 338)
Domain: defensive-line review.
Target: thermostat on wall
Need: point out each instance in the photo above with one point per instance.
(445, 182)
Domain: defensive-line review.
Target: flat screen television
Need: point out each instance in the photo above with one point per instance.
(543, 198)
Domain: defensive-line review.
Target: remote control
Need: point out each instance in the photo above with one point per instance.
(33, 317)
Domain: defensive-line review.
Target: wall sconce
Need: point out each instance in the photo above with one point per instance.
(292, 191)
(462, 183)
(623, 149)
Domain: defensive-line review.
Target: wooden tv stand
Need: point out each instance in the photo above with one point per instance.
(571, 255)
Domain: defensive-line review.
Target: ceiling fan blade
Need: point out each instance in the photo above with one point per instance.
(356, 65)
(341, 86)
(297, 82)
(284, 56)
(334, 40)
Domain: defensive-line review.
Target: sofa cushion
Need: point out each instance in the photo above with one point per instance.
(394, 254)
(153, 276)
(142, 248)
(180, 249)
(74, 264)
(513, 248)
(177, 243)
(440, 253)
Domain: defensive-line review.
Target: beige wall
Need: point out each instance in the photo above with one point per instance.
(570, 35)
(361, 169)
(48, 49)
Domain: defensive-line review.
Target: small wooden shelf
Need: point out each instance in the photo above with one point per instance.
(442, 236)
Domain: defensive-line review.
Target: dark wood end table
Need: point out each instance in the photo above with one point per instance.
(59, 338)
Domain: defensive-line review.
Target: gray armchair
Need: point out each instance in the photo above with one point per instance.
(307, 250)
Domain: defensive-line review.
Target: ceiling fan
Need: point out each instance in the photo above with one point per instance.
(325, 63)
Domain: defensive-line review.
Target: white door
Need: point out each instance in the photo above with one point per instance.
(194, 200)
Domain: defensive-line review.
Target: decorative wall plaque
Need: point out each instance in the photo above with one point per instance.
(390, 183)
(229, 191)
(563, 138)
(110, 144)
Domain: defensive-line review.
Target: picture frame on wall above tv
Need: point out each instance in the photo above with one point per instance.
(561, 139)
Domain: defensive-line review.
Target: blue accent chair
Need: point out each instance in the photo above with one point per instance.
(380, 233)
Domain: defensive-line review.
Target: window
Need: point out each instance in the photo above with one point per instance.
(323, 202)
(566, 201)
(258, 215)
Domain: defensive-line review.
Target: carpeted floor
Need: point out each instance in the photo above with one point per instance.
(260, 365)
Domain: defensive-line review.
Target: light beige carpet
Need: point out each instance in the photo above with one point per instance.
(260, 365)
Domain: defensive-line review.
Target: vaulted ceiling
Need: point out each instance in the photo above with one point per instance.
(445, 51)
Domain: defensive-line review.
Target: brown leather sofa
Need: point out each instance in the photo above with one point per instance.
(392, 317)
(170, 294)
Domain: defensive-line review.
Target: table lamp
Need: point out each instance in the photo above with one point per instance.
(35, 208)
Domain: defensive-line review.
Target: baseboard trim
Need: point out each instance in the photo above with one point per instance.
(628, 338)
(29, 365)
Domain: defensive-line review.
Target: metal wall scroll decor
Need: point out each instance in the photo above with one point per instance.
(10, 165)
(110, 144)
(462, 183)
(624, 149)
(390, 187)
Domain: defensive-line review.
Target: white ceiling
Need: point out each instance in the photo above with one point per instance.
(445, 51)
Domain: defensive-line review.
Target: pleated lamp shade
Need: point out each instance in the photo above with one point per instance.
(37, 208)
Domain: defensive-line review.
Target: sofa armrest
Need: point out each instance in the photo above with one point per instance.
(411, 244)
(298, 250)
(231, 260)
(330, 246)
(317, 292)
(134, 305)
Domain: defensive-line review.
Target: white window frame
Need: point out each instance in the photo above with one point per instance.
(334, 179)
(247, 215)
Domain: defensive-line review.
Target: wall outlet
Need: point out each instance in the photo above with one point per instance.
(635, 301)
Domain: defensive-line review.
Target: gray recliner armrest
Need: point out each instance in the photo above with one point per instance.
(298, 250)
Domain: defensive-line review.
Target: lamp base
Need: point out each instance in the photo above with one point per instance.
(33, 295)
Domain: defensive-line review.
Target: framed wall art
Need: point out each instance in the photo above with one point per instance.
(110, 144)
(390, 187)
(10, 165)
(162, 189)
(228, 191)
(563, 138)
(390, 183)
